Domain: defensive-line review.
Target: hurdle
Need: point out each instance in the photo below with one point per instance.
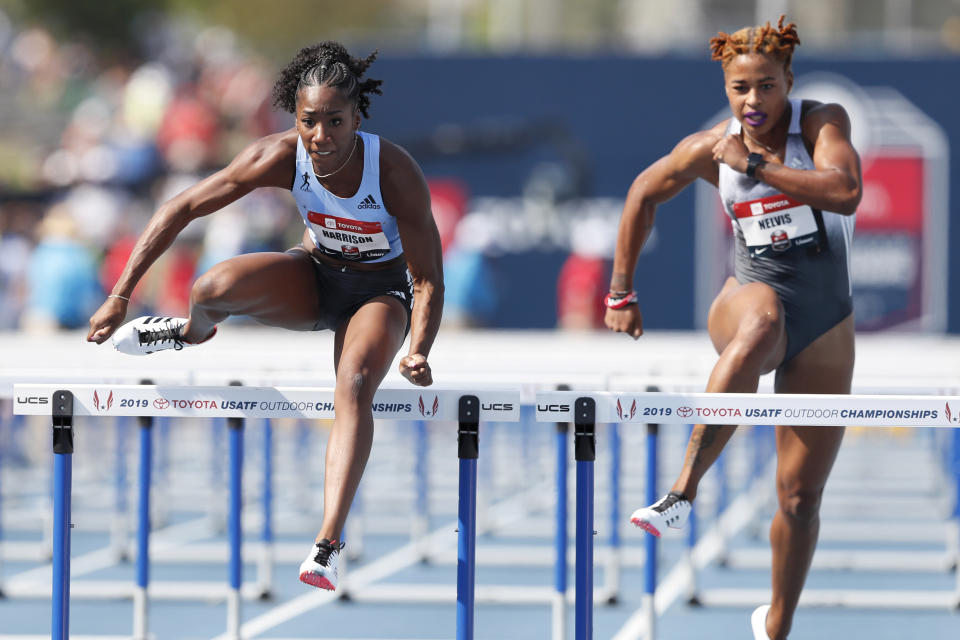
(854, 530)
(236, 403)
(649, 408)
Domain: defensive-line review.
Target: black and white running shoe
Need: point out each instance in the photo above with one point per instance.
(147, 334)
(672, 510)
(320, 567)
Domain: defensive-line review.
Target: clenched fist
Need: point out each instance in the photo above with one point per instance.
(415, 368)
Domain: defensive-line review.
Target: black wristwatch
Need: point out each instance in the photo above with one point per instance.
(754, 160)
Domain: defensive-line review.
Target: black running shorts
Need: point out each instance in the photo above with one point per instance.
(341, 291)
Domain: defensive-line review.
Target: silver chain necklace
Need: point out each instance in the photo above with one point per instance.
(770, 149)
(337, 170)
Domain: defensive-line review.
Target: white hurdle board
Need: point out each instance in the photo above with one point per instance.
(755, 408)
(258, 402)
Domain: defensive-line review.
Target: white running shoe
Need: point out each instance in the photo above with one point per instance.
(672, 510)
(320, 567)
(147, 334)
(758, 622)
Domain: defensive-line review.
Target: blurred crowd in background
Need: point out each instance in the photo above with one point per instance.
(91, 147)
(95, 134)
(93, 144)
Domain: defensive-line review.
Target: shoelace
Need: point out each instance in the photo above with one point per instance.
(168, 332)
(672, 498)
(324, 549)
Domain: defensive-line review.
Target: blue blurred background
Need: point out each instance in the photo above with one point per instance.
(529, 118)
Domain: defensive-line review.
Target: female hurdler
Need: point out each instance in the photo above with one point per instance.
(369, 267)
(790, 181)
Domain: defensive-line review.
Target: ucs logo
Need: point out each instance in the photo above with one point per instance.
(426, 413)
(625, 415)
(102, 405)
(553, 408)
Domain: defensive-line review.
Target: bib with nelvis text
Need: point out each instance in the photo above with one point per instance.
(777, 224)
(349, 239)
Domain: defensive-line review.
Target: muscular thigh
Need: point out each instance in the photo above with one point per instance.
(824, 366)
(366, 344)
(276, 289)
(806, 454)
(738, 309)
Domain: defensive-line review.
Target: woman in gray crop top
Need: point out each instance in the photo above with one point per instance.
(369, 269)
(790, 181)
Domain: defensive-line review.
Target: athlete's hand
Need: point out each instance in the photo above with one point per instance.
(107, 319)
(731, 151)
(628, 320)
(415, 368)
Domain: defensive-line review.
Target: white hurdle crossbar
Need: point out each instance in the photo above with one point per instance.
(63, 402)
(585, 410)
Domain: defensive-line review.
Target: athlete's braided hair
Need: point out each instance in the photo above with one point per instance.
(326, 63)
(776, 42)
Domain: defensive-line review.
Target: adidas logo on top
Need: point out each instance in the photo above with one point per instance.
(368, 203)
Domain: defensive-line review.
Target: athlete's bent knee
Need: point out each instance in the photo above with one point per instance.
(757, 337)
(762, 327)
(354, 386)
(802, 508)
(212, 287)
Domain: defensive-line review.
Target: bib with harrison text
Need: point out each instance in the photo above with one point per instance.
(776, 224)
(348, 239)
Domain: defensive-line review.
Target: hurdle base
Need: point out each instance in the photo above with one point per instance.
(212, 592)
(852, 560)
(929, 600)
(483, 594)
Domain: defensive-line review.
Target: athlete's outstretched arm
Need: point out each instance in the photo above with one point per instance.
(267, 162)
(835, 184)
(406, 195)
(665, 178)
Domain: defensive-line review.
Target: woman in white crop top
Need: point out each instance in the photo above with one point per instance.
(359, 286)
(790, 180)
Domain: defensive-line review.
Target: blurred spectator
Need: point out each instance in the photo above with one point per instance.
(15, 249)
(470, 297)
(448, 199)
(585, 276)
(581, 287)
(188, 134)
(470, 288)
(62, 275)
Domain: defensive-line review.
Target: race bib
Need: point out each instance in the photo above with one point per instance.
(775, 224)
(349, 239)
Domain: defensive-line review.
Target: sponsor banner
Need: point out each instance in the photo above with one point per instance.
(257, 402)
(760, 408)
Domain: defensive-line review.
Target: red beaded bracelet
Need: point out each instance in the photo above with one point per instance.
(619, 302)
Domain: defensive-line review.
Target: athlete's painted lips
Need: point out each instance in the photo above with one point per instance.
(755, 118)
